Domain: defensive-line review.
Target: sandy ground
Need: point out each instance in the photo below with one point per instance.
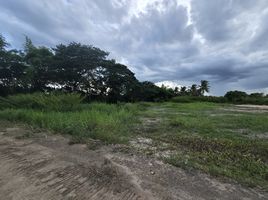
(262, 107)
(248, 108)
(46, 167)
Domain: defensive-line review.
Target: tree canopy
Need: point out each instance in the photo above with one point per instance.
(79, 68)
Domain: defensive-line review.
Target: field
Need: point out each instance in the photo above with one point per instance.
(222, 140)
(226, 141)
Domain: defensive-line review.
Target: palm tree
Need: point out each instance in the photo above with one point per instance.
(193, 90)
(183, 91)
(204, 87)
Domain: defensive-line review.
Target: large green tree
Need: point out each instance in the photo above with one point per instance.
(85, 68)
(235, 96)
(75, 62)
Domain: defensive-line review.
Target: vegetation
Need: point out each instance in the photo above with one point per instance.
(110, 123)
(233, 97)
(61, 89)
(86, 70)
(55, 101)
(244, 98)
(83, 69)
(215, 138)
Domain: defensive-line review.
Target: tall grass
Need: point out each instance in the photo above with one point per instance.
(55, 101)
(109, 123)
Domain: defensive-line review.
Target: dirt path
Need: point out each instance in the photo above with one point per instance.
(47, 167)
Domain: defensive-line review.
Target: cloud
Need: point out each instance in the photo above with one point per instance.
(51, 22)
(223, 41)
(259, 41)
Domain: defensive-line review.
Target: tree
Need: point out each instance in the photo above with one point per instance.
(204, 87)
(39, 61)
(74, 63)
(148, 91)
(3, 43)
(12, 69)
(193, 90)
(112, 82)
(28, 45)
(121, 82)
(86, 69)
(183, 91)
(256, 95)
(235, 96)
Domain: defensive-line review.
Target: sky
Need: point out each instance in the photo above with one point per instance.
(184, 41)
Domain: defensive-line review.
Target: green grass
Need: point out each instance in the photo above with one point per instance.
(54, 101)
(207, 137)
(109, 123)
(204, 136)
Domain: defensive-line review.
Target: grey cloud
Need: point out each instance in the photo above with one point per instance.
(157, 39)
(60, 21)
(260, 39)
(223, 20)
(156, 27)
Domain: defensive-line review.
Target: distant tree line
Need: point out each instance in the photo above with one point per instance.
(78, 68)
(242, 97)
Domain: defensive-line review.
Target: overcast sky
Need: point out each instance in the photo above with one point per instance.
(222, 41)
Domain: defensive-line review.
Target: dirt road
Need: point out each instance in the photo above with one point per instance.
(45, 166)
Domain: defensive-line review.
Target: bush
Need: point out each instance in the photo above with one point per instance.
(55, 101)
(254, 100)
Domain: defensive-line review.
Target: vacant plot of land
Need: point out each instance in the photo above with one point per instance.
(223, 140)
(45, 166)
(226, 141)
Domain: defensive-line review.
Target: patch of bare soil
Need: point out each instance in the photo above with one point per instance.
(259, 136)
(249, 133)
(262, 107)
(45, 166)
(248, 108)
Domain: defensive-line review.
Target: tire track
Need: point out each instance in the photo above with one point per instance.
(55, 178)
